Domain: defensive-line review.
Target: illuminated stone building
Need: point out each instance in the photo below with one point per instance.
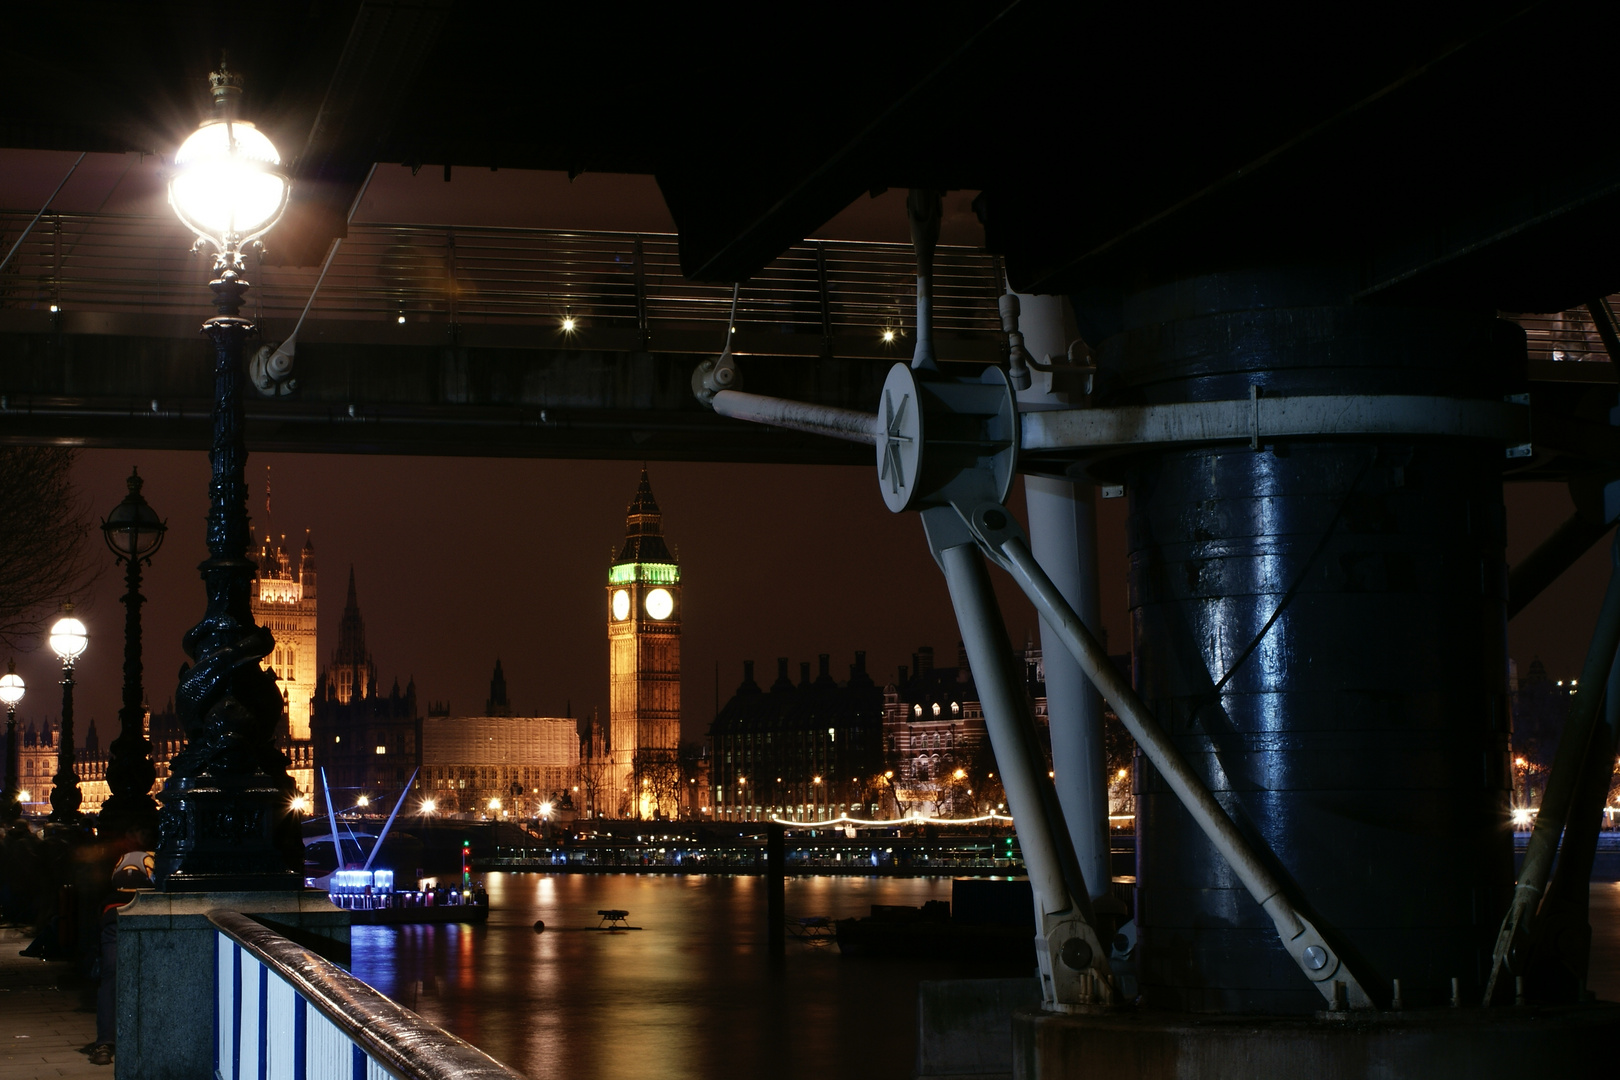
(36, 765)
(803, 752)
(283, 602)
(499, 765)
(933, 725)
(644, 665)
(367, 742)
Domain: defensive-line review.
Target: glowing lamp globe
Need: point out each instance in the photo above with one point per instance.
(68, 636)
(228, 186)
(11, 688)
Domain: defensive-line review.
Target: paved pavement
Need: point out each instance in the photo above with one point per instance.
(46, 1014)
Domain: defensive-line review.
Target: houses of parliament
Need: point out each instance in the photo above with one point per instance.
(370, 743)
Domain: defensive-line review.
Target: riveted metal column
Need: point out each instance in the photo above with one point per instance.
(1319, 624)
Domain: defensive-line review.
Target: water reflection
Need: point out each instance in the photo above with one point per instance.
(693, 994)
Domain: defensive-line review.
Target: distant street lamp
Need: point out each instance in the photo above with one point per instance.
(226, 798)
(134, 532)
(68, 639)
(11, 692)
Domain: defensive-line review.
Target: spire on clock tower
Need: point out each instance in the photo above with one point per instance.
(644, 528)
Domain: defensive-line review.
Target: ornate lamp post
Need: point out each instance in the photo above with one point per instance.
(11, 692)
(228, 791)
(68, 639)
(134, 532)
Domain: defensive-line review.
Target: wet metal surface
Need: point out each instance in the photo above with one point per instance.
(694, 994)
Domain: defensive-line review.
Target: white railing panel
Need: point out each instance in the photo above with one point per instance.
(224, 964)
(331, 1054)
(250, 1016)
(283, 1042)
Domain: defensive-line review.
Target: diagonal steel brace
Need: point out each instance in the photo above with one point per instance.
(1002, 539)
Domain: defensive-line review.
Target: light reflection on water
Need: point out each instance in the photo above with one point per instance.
(693, 994)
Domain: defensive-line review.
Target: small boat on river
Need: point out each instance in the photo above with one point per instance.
(370, 896)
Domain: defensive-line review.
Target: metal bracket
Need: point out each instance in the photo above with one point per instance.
(713, 376)
(271, 371)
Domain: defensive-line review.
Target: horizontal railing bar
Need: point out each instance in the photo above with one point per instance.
(398, 1039)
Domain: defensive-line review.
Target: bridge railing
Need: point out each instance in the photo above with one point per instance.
(283, 1013)
(597, 280)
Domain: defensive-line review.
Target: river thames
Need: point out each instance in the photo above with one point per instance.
(692, 994)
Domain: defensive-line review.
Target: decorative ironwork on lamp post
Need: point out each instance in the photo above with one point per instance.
(68, 640)
(134, 532)
(11, 692)
(222, 825)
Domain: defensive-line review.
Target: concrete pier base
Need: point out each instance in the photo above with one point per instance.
(1429, 1044)
(165, 1006)
(964, 1026)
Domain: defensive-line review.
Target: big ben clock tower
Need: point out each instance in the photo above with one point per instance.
(644, 664)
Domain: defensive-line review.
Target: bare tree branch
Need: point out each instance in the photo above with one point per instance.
(46, 553)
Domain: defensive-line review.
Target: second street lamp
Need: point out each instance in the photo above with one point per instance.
(11, 692)
(134, 532)
(68, 640)
(224, 824)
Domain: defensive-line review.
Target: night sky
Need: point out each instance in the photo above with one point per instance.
(461, 560)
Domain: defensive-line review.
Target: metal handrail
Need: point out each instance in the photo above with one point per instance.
(120, 263)
(393, 1036)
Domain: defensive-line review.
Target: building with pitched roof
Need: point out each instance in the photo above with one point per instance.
(803, 751)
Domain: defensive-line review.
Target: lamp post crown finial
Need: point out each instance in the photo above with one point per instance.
(225, 83)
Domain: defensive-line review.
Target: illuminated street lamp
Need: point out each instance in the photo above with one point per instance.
(228, 791)
(11, 692)
(134, 532)
(68, 639)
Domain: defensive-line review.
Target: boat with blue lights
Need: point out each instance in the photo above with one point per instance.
(370, 894)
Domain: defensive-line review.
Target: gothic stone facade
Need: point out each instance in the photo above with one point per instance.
(368, 743)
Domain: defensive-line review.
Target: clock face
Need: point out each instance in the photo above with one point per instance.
(660, 604)
(621, 604)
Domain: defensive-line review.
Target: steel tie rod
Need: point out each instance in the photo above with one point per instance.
(1315, 957)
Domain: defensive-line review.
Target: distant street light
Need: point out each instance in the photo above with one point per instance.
(11, 692)
(362, 801)
(429, 805)
(134, 532)
(68, 640)
(228, 791)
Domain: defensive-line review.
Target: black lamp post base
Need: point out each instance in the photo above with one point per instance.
(221, 834)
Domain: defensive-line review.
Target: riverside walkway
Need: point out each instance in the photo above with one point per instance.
(47, 1012)
(47, 1016)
